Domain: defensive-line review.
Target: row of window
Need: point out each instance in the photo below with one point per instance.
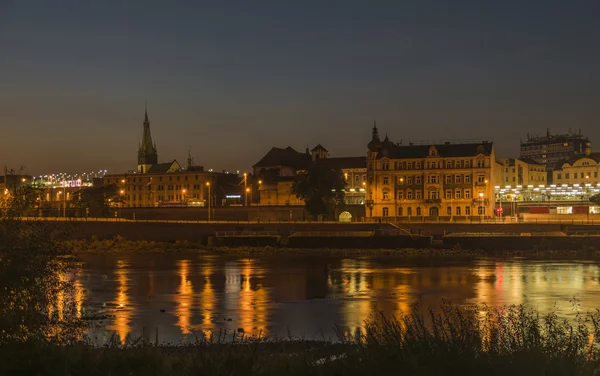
(148, 179)
(531, 178)
(576, 175)
(417, 165)
(434, 211)
(177, 197)
(170, 187)
(417, 194)
(434, 179)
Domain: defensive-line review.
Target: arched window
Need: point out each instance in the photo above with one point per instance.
(449, 210)
(458, 210)
(418, 210)
(400, 211)
(433, 212)
(386, 212)
(409, 211)
(467, 210)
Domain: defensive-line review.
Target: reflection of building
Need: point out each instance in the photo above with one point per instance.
(549, 149)
(513, 171)
(170, 184)
(277, 171)
(450, 180)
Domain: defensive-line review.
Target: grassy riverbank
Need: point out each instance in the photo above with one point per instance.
(457, 341)
(121, 245)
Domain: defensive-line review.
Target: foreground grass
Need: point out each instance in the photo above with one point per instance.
(457, 341)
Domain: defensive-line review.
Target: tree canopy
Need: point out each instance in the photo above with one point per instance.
(595, 199)
(321, 188)
(98, 200)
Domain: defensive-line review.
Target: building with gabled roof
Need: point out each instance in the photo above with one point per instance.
(429, 180)
(276, 172)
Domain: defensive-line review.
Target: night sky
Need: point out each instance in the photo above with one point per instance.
(232, 79)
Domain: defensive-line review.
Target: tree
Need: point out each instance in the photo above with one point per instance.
(595, 199)
(321, 188)
(97, 201)
(35, 299)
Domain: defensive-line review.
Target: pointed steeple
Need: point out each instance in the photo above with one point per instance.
(147, 154)
(190, 161)
(375, 132)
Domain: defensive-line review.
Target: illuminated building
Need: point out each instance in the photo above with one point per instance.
(580, 169)
(169, 184)
(550, 149)
(278, 169)
(437, 180)
(513, 171)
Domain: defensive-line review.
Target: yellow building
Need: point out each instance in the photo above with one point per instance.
(445, 180)
(277, 171)
(582, 169)
(165, 184)
(524, 172)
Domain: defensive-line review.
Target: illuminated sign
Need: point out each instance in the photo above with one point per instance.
(233, 196)
(70, 183)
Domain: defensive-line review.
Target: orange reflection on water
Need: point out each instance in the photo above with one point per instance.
(253, 301)
(354, 282)
(123, 313)
(207, 295)
(185, 297)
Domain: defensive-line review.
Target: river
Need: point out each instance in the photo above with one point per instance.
(182, 295)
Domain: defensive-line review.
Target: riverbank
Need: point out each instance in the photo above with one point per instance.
(122, 245)
(473, 341)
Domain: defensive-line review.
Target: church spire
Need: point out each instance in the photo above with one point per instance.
(375, 132)
(147, 154)
(190, 161)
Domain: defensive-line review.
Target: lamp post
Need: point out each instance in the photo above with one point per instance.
(246, 197)
(258, 203)
(246, 189)
(121, 192)
(481, 206)
(208, 185)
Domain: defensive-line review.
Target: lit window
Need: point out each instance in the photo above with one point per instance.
(386, 212)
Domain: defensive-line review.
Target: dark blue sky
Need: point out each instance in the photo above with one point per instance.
(232, 79)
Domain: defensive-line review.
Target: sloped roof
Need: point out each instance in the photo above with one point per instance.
(319, 147)
(531, 161)
(284, 157)
(161, 167)
(575, 158)
(342, 163)
(444, 150)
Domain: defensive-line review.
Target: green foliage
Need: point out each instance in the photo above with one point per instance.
(595, 199)
(321, 188)
(97, 201)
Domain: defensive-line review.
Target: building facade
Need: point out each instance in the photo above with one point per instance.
(550, 149)
(582, 169)
(275, 173)
(445, 180)
(513, 171)
(169, 184)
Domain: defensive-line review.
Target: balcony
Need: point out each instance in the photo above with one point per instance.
(433, 201)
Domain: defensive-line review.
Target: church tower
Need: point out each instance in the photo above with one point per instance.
(147, 154)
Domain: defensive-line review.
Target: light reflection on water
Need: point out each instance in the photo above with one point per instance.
(184, 295)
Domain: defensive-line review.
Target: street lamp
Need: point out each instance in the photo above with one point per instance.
(208, 185)
(121, 192)
(246, 197)
(259, 184)
(246, 189)
(481, 206)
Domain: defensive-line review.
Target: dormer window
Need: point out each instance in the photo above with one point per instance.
(433, 151)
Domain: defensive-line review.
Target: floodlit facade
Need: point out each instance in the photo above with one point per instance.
(276, 172)
(513, 171)
(582, 169)
(443, 180)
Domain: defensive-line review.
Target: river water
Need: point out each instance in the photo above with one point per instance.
(180, 295)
